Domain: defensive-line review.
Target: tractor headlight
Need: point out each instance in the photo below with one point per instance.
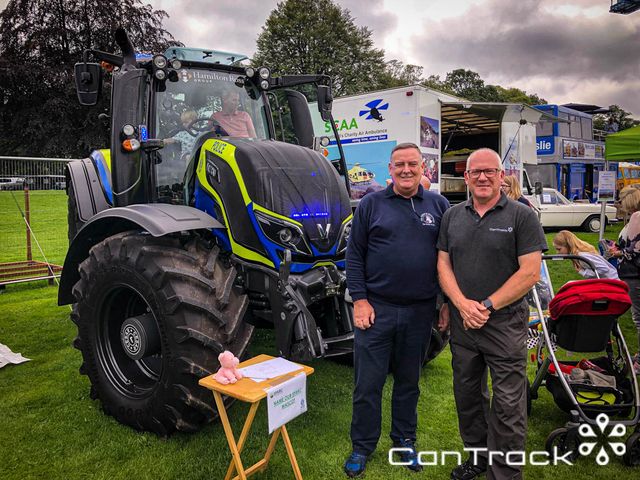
(160, 61)
(286, 234)
(345, 231)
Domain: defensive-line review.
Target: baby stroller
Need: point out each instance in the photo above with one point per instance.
(583, 317)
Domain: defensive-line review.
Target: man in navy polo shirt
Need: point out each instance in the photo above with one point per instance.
(391, 275)
(490, 255)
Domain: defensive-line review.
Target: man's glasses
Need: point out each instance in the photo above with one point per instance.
(488, 172)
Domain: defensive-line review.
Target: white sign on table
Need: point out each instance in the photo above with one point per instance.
(286, 401)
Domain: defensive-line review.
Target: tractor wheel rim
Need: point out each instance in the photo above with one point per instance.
(130, 377)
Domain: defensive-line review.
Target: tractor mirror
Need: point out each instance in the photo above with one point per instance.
(538, 188)
(325, 101)
(300, 117)
(88, 82)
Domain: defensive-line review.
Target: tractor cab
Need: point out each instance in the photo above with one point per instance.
(165, 106)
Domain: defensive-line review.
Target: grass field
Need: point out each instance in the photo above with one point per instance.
(50, 428)
(48, 215)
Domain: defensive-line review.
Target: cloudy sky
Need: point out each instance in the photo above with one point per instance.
(564, 50)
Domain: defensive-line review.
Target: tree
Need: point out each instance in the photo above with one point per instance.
(397, 74)
(469, 85)
(617, 116)
(40, 40)
(320, 37)
(515, 95)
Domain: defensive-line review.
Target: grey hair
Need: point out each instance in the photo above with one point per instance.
(485, 150)
(404, 146)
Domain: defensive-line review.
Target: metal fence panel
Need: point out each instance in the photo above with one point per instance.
(33, 218)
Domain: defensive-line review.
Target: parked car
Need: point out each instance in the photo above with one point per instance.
(46, 182)
(557, 211)
(11, 183)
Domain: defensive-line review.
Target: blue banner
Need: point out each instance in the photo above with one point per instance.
(546, 145)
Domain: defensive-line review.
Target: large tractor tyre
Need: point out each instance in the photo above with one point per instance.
(153, 315)
(73, 220)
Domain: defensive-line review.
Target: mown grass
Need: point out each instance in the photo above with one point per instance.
(50, 428)
(48, 220)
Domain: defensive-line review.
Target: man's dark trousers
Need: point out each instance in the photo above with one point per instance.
(499, 345)
(399, 336)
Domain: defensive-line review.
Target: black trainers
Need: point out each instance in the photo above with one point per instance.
(468, 471)
(408, 454)
(355, 464)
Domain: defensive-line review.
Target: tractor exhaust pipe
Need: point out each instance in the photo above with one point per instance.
(128, 53)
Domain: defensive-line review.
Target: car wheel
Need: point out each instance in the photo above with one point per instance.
(592, 224)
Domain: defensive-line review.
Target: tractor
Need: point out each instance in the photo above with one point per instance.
(201, 222)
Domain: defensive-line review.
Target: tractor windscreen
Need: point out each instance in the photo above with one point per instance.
(202, 101)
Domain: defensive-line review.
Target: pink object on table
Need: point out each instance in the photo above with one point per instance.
(228, 373)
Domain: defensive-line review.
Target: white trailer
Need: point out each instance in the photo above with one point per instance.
(371, 124)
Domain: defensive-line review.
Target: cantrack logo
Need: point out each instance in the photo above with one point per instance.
(513, 458)
(519, 458)
(617, 448)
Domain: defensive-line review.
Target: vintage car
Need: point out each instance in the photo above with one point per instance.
(558, 212)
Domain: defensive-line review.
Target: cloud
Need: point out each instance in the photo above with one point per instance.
(567, 56)
(234, 25)
(563, 50)
(371, 14)
(228, 25)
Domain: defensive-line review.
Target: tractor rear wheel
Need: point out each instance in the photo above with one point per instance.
(153, 314)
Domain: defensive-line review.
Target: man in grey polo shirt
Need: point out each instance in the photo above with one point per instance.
(489, 257)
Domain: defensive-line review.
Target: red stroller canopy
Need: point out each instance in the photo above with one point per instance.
(592, 297)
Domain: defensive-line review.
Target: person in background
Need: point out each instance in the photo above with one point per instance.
(627, 251)
(237, 123)
(511, 188)
(183, 137)
(566, 243)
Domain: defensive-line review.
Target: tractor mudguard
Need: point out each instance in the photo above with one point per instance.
(157, 218)
(87, 187)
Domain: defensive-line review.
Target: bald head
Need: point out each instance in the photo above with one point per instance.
(485, 154)
(484, 176)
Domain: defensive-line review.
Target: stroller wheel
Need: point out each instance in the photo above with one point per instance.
(632, 454)
(564, 441)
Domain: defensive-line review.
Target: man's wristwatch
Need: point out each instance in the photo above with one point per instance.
(488, 304)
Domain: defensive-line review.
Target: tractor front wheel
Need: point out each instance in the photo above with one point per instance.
(153, 314)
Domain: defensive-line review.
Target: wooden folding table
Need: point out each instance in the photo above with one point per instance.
(250, 391)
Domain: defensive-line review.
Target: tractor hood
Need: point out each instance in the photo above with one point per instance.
(297, 183)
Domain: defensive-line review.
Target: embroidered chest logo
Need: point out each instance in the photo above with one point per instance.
(427, 219)
(503, 229)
